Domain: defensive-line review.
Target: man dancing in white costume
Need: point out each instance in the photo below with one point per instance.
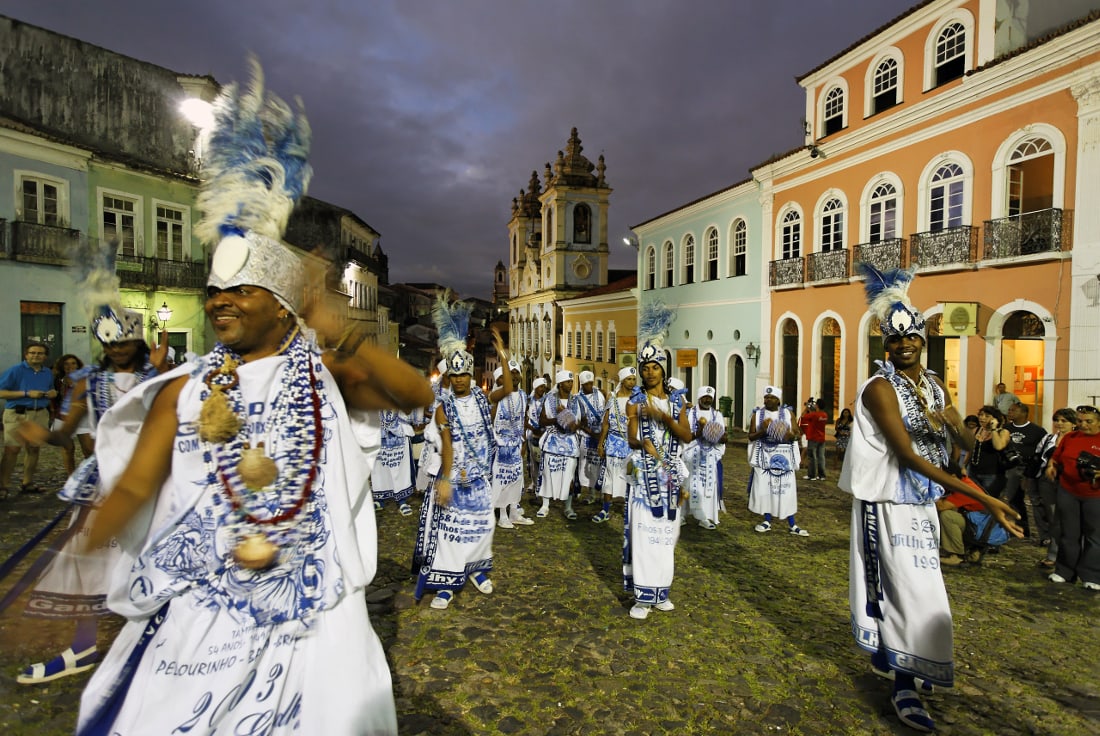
(560, 446)
(590, 403)
(774, 460)
(657, 428)
(894, 468)
(243, 507)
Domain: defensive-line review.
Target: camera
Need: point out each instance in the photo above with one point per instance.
(1088, 465)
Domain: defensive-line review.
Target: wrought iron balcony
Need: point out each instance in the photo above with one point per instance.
(827, 266)
(787, 271)
(1041, 231)
(883, 255)
(158, 273)
(48, 244)
(953, 245)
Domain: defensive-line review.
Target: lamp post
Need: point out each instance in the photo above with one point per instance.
(753, 354)
(164, 314)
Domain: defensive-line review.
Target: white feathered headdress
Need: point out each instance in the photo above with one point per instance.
(452, 322)
(653, 324)
(888, 299)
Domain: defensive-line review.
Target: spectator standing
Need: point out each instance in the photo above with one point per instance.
(64, 383)
(1018, 484)
(1003, 399)
(843, 431)
(1076, 465)
(27, 390)
(1046, 514)
(984, 461)
(812, 426)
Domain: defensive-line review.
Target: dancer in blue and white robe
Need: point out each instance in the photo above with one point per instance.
(702, 457)
(895, 471)
(430, 458)
(509, 420)
(455, 540)
(560, 446)
(614, 446)
(591, 405)
(774, 458)
(392, 478)
(658, 429)
(534, 435)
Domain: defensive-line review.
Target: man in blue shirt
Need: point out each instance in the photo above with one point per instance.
(27, 389)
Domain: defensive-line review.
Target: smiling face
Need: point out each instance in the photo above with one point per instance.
(248, 319)
(706, 401)
(123, 355)
(904, 352)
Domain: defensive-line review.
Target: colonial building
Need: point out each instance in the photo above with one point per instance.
(704, 260)
(961, 139)
(557, 249)
(600, 330)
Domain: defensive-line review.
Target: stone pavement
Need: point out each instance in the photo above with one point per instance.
(759, 642)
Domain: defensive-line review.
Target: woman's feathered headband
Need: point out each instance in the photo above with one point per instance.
(653, 324)
(888, 299)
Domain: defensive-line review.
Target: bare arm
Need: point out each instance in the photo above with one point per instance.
(373, 379)
(1000, 438)
(446, 452)
(147, 470)
(881, 400)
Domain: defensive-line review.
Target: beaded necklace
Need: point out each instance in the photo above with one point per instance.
(265, 499)
(922, 390)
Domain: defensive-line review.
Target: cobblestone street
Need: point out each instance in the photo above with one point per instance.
(758, 644)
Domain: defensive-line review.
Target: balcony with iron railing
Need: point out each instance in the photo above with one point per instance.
(36, 243)
(787, 272)
(883, 255)
(944, 248)
(831, 265)
(1030, 233)
(139, 272)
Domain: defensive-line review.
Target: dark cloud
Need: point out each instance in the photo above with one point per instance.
(429, 115)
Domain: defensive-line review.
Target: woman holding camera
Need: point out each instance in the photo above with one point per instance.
(984, 465)
(1076, 465)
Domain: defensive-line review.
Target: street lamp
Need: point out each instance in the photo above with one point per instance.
(753, 353)
(163, 315)
(631, 241)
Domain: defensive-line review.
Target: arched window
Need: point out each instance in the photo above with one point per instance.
(792, 234)
(577, 337)
(884, 85)
(1032, 148)
(833, 118)
(712, 255)
(950, 54)
(946, 198)
(832, 226)
(568, 341)
(740, 247)
(611, 346)
(883, 211)
(689, 259)
(582, 224)
(587, 342)
(670, 272)
(599, 343)
(651, 268)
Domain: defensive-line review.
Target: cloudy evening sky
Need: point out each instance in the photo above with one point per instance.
(429, 115)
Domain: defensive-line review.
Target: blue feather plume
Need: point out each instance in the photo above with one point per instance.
(653, 323)
(97, 282)
(452, 322)
(885, 289)
(255, 167)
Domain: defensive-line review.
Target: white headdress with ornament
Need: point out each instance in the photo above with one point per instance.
(653, 324)
(452, 321)
(97, 283)
(255, 171)
(888, 299)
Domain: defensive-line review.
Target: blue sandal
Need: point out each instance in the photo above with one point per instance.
(911, 712)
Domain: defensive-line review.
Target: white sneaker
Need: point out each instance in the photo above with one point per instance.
(522, 520)
(1091, 586)
(665, 605)
(639, 611)
(505, 523)
(1055, 578)
(707, 524)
